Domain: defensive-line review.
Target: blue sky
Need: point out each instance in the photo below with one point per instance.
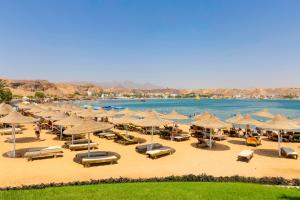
(183, 44)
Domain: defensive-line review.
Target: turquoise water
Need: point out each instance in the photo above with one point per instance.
(221, 108)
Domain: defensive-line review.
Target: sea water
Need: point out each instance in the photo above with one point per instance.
(223, 109)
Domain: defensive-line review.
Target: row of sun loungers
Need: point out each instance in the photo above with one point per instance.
(52, 151)
(80, 144)
(246, 155)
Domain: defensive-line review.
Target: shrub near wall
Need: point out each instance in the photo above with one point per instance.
(185, 178)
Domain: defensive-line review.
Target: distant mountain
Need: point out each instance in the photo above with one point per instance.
(129, 85)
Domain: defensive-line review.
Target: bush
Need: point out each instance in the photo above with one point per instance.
(5, 95)
(39, 95)
(185, 178)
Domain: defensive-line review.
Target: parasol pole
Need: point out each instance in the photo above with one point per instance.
(14, 140)
(89, 136)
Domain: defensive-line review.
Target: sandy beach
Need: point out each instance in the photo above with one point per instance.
(220, 161)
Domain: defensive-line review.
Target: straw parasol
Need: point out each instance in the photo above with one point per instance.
(35, 109)
(235, 119)
(151, 121)
(264, 113)
(14, 118)
(88, 127)
(88, 113)
(202, 116)
(127, 112)
(68, 121)
(248, 120)
(212, 123)
(280, 123)
(5, 109)
(58, 116)
(174, 116)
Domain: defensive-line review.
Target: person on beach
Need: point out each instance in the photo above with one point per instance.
(37, 130)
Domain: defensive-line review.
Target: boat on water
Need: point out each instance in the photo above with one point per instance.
(119, 108)
(197, 98)
(106, 107)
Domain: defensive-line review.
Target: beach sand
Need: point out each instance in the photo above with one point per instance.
(220, 161)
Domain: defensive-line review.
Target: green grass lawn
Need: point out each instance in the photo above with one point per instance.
(165, 190)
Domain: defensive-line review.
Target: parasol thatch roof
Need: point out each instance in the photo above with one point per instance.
(202, 116)
(5, 109)
(264, 113)
(88, 126)
(248, 120)
(174, 115)
(235, 119)
(154, 121)
(123, 120)
(69, 121)
(17, 118)
(211, 122)
(280, 123)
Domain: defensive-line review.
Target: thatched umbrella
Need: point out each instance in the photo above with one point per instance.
(35, 109)
(212, 123)
(248, 120)
(68, 121)
(88, 127)
(264, 113)
(127, 112)
(174, 116)
(235, 119)
(88, 113)
(153, 121)
(280, 123)
(5, 109)
(125, 120)
(202, 116)
(14, 118)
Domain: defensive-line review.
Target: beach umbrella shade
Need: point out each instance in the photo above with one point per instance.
(202, 116)
(153, 121)
(14, 118)
(174, 116)
(68, 121)
(127, 112)
(5, 109)
(264, 113)
(35, 109)
(280, 123)
(88, 127)
(235, 119)
(88, 113)
(125, 120)
(212, 123)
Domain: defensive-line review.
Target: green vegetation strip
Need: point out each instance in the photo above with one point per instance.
(161, 190)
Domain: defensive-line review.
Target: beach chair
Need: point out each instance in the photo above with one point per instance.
(83, 146)
(245, 155)
(181, 137)
(253, 141)
(162, 151)
(288, 152)
(203, 142)
(8, 131)
(125, 139)
(144, 148)
(97, 158)
(52, 151)
(78, 141)
(108, 135)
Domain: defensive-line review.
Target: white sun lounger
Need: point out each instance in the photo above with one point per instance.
(52, 151)
(8, 131)
(288, 152)
(93, 145)
(245, 155)
(99, 159)
(159, 152)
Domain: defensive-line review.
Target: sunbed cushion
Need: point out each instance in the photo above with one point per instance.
(100, 159)
(246, 154)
